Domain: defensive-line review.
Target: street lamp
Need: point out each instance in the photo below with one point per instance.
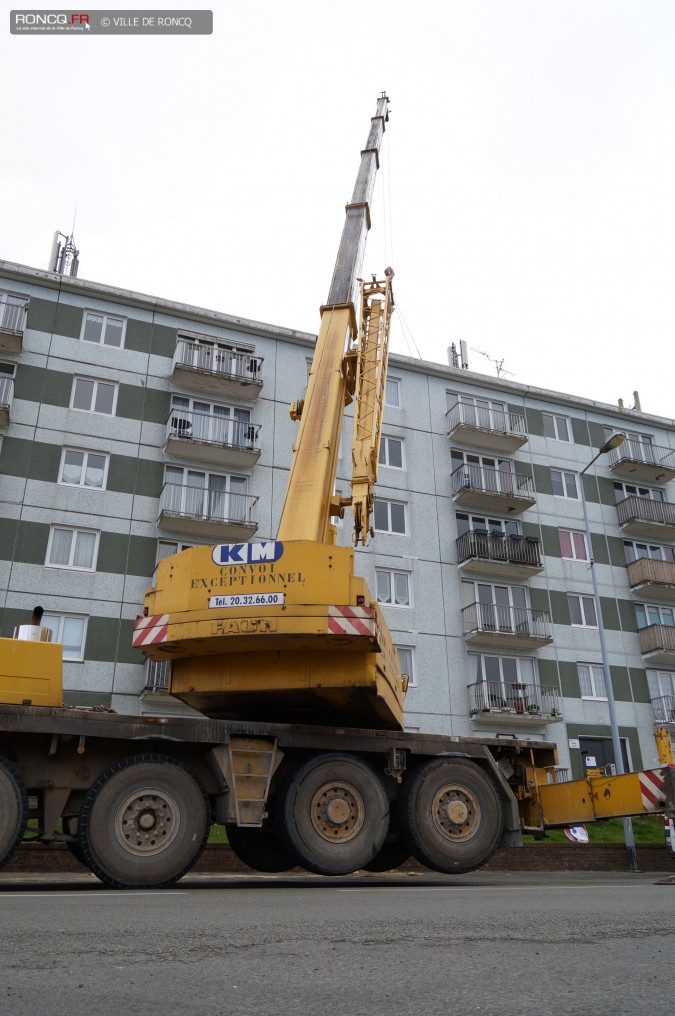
(612, 442)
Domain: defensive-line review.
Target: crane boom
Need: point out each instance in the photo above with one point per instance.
(307, 508)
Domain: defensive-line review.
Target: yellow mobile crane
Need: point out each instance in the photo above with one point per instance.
(299, 749)
(283, 629)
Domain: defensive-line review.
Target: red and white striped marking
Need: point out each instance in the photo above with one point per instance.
(652, 788)
(343, 620)
(149, 630)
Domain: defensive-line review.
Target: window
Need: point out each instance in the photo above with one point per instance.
(391, 452)
(102, 328)
(84, 469)
(582, 611)
(93, 396)
(70, 630)
(556, 427)
(200, 494)
(218, 357)
(406, 659)
(389, 516)
(392, 396)
(484, 413)
(624, 490)
(508, 679)
(573, 545)
(662, 694)
(475, 523)
(564, 484)
(206, 421)
(638, 447)
(592, 681)
(393, 587)
(157, 675)
(650, 613)
(7, 369)
(483, 471)
(165, 548)
(635, 551)
(72, 548)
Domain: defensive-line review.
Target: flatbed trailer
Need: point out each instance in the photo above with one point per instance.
(134, 797)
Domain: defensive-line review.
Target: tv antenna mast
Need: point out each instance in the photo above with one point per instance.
(499, 364)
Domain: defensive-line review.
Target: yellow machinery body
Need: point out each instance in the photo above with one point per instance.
(31, 672)
(289, 635)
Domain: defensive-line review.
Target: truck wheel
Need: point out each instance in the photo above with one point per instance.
(393, 854)
(13, 810)
(333, 814)
(144, 822)
(450, 815)
(260, 849)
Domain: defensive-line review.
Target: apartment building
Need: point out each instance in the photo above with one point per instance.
(133, 426)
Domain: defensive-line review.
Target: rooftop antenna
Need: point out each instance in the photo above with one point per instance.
(64, 258)
(459, 357)
(499, 364)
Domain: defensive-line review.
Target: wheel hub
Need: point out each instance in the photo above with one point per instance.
(147, 821)
(456, 813)
(337, 812)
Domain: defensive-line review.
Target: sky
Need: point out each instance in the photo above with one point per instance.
(526, 196)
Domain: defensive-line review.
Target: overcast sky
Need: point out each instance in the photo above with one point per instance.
(526, 197)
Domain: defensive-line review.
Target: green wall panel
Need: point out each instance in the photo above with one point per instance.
(627, 615)
(30, 383)
(150, 478)
(607, 492)
(539, 598)
(138, 335)
(122, 474)
(639, 684)
(31, 544)
(560, 611)
(14, 458)
(580, 432)
(44, 462)
(157, 406)
(102, 638)
(597, 434)
(8, 535)
(591, 491)
(535, 422)
(548, 673)
(569, 680)
(58, 388)
(599, 547)
(621, 684)
(130, 401)
(68, 320)
(542, 479)
(617, 551)
(41, 315)
(72, 697)
(142, 556)
(551, 541)
(120, 554)
(163, 342)
(610, 613)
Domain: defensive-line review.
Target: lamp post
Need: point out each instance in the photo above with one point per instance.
(612, 442)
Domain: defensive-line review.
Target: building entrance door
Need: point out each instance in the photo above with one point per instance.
(598, 752)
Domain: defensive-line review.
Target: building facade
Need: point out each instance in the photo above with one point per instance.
(131, 427)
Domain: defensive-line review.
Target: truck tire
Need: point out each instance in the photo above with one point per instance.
(13, 810)
(144, 822)
(333, 814)
(260, 849)
(450, 815)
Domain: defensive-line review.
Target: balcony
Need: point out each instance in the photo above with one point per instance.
(664, 709)
(200, 511)
(215, 370)
(641, 516)
(503, 703)
(12, 322)
(209, 437)
(493, 429)
(655, 577)
(512, 557)
(6, 397)
(647, 463)
(492, 490)
(657, 644)
(506, 627)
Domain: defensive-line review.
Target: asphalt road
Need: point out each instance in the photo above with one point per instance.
(510, 944)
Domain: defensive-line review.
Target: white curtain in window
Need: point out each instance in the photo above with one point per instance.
(61, 543)
(85, 545)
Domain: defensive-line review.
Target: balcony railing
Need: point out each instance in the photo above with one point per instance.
(513, 626)
(492, 481)
(212, 437)
(643, 461)
(664, 709)
(497, 547)
(661, 512)
(658, 642)
(218, 360)
(484, 427)
(525, 701)
(6, 397)
(204, 504)
(12, 313)
(648, 572)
